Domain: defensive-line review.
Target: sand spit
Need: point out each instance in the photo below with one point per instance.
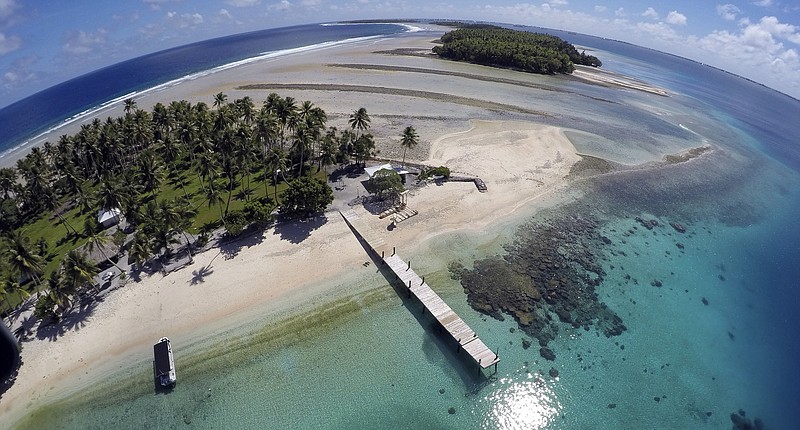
(605, 77)
(440, 97)
(271, 276)
(463, 123)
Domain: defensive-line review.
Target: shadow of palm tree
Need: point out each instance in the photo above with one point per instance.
(199, 276)
(21, 309)
(298, 230)
(229, 246)
(75, 319)
(25, 328)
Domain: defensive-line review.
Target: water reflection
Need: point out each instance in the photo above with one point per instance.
(522, 404)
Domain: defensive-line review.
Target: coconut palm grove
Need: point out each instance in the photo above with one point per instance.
(174, 175)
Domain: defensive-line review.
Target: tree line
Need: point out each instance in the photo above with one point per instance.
(521, 50)
(172, 171)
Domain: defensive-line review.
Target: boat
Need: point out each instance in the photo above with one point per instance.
(164, 363)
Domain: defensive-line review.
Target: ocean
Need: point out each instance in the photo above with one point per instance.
(34, 115)
(710, 312)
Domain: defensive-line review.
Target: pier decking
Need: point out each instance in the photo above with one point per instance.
(466, 338)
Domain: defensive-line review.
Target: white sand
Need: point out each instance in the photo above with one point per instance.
(520, 161)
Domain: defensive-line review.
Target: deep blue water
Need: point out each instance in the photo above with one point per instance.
(35, 114)
(766, 114)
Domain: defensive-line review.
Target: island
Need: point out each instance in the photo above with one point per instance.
(520, 50)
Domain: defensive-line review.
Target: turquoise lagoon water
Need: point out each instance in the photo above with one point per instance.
(718, 335)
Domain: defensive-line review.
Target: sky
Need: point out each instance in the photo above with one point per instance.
(45, 42)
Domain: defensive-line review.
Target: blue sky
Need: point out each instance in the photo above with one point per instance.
(44, 42)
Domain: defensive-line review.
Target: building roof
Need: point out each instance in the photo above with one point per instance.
(104, 215)
(161, 358)
(375, 169)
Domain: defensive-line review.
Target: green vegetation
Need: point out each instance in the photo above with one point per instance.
(306, 196)
(435, 171)
(409, 139)
(521, 50)
(387, 183)
(176, 173)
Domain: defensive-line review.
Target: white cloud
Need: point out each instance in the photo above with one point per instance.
(225, 14)
(763, 3)
(600, 9)
(185, 20)
(9, 43)
(660, 30)
(243, 3)
(650, 13)
(558, 2)
(778, 29)
(728, 11)
(283, 5)
(676, 18)
(79, 42)
(757, 46)
(19, 72)
(156, 4)
(620, 12)
(7, 8)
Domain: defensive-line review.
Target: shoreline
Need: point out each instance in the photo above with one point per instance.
(87, 356)
(147, 97)
(270, 274)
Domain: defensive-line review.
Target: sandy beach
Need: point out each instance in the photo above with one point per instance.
(473, 126)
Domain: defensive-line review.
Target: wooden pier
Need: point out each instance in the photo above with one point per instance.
(466, 338)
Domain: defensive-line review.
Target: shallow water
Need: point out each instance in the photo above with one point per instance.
(718, 335)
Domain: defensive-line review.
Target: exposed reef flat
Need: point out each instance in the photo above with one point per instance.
(548, 274)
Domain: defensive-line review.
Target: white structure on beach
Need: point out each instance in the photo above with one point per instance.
(108, 217)
(375, 169)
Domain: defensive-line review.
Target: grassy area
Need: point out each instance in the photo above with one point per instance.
(50, 228)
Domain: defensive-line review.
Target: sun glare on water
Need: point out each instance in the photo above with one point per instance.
(530, 404)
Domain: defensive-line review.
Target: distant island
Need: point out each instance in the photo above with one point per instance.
(520, 50)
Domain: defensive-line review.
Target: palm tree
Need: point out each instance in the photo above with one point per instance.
(162, 121)
(172, 155)
(214, 197)
(220, 99)
(8, 181)
(229, 168)
(245, 153)
(186, 214)
(328, 149)
(78, 270)
(267, 129)
(162, 233)
(24, 262)
(150, 172)
(302, 142)
(130, 105)
(142, 132)
(111, 194)
(59, 290)
(206, 168)
(409, 139)
(359, 120)
(50, 202)
(246, 109)
(10, 285)
(276, 161)
(313, 119)
(286, 112)
(97, 240)
(139, 251)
